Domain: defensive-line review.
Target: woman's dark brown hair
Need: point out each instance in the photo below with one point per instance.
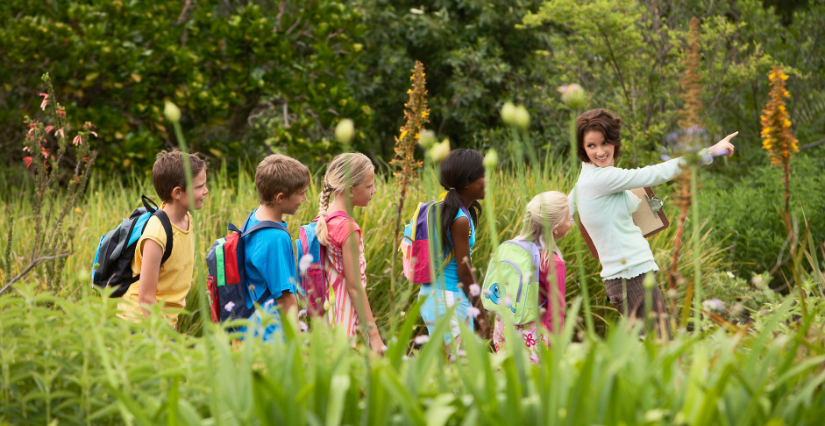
(599, 120)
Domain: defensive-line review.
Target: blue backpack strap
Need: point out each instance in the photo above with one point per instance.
(240, 251)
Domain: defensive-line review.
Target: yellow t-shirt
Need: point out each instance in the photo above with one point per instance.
(175, 277)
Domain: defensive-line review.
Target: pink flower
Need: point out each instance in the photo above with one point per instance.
(44, 151)
(473, 311)
(228, 307)
(60, 132)
(302, 313)
(49, 128)
(529, 340)
(77, 140)
(45, 101)
(28, 161)
(61, 112)
(475, 290)
(25, 148)
(94, 133)
(303, 325)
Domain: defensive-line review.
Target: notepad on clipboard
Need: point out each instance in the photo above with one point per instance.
(649, 217)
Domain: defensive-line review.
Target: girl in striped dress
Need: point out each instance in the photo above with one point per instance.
(351, 178)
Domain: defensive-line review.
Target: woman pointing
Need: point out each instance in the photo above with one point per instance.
(605, 204)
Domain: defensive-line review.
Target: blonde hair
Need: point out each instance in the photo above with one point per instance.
(279, 174)
(346, 170)
(544, 211)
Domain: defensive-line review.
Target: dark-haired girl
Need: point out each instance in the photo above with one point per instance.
(462, 176)
(605, 204)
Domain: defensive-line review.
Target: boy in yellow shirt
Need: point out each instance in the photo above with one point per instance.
(170, 281)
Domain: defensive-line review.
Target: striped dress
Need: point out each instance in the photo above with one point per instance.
(341, 310)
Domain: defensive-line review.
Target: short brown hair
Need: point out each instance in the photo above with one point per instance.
(169, 172)
(599, 120)
(279, 174)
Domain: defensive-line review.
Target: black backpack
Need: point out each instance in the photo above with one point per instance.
(113, 259)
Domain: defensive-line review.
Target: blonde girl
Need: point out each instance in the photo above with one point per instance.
(547, 219)
(351, 178)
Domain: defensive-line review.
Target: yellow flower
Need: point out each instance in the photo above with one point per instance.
(783, 76)
(786, 123)
(404, 133)
(425, 114)
(409, 91)
(772, 76)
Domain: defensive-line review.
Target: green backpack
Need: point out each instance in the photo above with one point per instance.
(511, 286)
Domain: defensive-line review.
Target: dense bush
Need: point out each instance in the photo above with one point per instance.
(250, 77)
(747, 210)
(235, 65)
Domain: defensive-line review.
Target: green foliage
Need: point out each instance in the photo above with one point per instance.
(474, 55)
(89, 368)
(250, 77)
(749, 211)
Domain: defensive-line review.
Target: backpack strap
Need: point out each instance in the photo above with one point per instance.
(240, 251)
(338, 213)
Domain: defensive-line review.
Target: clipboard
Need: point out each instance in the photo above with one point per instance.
(649, 217)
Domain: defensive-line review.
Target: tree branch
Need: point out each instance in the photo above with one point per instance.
(30, 267)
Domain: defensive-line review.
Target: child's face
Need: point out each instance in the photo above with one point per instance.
(477, 189)
(560, 230)
(362, 193)
(291, 204)
(199, 192)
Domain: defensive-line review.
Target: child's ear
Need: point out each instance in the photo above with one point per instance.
(280, 197)
(178, 193)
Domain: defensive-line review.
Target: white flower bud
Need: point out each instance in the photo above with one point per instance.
(344, 131)
(427, 139)
(522, 117)
(573, 95)
(491, 159)
(508, 113)
(171, 111)
(439, 152)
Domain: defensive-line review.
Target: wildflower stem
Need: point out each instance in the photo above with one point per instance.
(697, 260)
(588, 318)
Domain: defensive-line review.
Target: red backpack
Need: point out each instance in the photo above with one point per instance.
(226, 280)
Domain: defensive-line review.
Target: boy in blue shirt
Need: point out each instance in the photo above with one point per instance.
(269, 256)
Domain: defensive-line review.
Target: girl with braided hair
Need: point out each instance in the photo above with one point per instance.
(351, 179)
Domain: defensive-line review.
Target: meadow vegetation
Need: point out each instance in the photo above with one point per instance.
(747, 297)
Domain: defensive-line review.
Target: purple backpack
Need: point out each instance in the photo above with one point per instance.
(415, 246)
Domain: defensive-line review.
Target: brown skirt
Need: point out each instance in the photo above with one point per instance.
(634, 305)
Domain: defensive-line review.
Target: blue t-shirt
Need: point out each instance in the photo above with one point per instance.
(269, 259)
(451, 270)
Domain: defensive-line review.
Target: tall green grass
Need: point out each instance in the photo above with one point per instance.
(69, 362)
(230, 200)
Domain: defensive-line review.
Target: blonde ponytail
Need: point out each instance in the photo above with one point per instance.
(346, 170)
(544, 211)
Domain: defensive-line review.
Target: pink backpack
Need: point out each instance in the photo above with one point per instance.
(312, 284)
